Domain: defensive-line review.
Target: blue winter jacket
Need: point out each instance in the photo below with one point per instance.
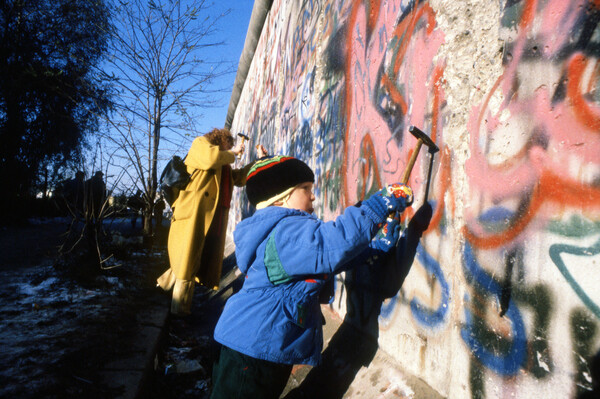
(287, 255)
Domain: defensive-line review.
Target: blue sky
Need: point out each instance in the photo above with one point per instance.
(232, 30)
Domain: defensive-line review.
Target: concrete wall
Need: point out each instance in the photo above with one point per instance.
(503, 249)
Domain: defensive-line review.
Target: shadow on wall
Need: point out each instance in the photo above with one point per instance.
(595, 374)
(354, 344)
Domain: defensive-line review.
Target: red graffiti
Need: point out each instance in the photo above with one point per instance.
(588, 115)
(550, 189)
(410, 47)
(548, 143)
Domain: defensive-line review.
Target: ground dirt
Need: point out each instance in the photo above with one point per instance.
(59, 326)
(188, 352)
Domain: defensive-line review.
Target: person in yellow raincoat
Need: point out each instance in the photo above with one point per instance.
(200, 213)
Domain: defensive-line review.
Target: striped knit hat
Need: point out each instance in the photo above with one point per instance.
(270, 176)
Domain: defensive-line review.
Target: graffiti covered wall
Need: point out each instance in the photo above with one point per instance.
(493, 291)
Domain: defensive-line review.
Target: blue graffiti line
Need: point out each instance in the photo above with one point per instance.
(496, 219)
(556, 250)
(383, 38)
(496, 214)
(423, 315)
(304, 105)
(387, 308)
(504, 364)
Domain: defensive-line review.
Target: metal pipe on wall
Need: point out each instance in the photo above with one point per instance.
(260, 10)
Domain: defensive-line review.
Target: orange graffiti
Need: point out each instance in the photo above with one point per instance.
(582, 110)
(402, 29)
(550, 188)
(395, 94)
(348, 70)
(369, 154)
(528, 13)
(403, 32)
(407, 27)
(374, 7)
(438, 74)
(516, 158)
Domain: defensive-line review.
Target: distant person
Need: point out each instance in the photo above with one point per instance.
(200, 212)
(73, 193)
(95, 196)
(136, 205)
(159, 208)
(287, 255)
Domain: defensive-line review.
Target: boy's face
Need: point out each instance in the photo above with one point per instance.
(301, 198)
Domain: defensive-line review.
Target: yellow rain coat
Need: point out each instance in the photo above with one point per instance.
(194, 211)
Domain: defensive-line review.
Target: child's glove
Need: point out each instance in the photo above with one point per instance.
(401, 190)
(392, 198)
(380, 246)
(383, 243)
(387, 237)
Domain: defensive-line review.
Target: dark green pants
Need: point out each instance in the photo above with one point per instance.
(237, 376)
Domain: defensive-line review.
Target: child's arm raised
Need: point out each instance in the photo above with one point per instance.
(311, 246)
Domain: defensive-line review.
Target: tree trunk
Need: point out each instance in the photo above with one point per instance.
(148, 236)
(91, 234)
(148, 227)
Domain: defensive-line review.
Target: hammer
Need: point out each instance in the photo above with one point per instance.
(244, 137)
(422, 138)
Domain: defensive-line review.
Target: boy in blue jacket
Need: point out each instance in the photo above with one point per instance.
(288, 254)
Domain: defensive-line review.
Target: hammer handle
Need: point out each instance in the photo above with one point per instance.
(243, 141)
(409, 167)
(411, 162)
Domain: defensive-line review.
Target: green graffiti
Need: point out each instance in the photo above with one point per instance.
(583, 331)
(477, 379)
(476, 369)
(512, 15)
(556, 250)
(575, 227)
(330, 183)
(539, 361)
(539, 299)
(488, 338)
(369, 184)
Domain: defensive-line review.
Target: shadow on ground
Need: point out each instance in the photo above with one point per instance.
(60, 334)
(188, 352)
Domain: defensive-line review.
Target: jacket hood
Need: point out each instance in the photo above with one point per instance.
(250, 233)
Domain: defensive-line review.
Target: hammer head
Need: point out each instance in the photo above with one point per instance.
(243, 136)
(420, 135)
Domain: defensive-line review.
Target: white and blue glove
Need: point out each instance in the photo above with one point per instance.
(383, 243)
(380, 246)
(391, 199)
(387, 237)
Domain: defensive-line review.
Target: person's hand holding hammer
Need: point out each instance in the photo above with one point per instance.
(261, 151)
(238, 149)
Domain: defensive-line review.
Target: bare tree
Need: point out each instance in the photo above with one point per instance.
(88, 203)
(161, 73)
